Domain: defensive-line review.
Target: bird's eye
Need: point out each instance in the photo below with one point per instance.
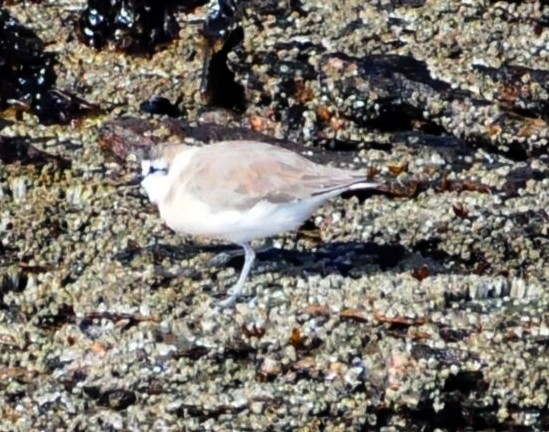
(149, 167)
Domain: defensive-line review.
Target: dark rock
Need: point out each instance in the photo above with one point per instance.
(133, 26)
(125, 136)
(160, 105)
(222, 34)
(27, 76)
(518, 89)
(19, 150)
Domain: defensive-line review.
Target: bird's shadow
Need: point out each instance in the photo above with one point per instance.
(344, 258)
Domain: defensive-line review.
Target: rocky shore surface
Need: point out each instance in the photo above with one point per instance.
(422, 308)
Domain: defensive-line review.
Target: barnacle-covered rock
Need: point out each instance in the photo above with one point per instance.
(421, 311)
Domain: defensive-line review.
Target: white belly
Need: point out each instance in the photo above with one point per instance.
(265, 219)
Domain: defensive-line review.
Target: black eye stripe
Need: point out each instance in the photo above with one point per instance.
(154, 169)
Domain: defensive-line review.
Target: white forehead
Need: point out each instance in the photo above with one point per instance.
(145, 166)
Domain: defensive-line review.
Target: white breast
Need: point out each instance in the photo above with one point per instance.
(156, 185)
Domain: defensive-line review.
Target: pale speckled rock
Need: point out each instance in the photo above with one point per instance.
(107, 319)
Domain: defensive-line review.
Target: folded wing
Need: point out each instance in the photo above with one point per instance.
(239, 174)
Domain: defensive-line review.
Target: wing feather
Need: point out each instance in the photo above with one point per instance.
(236, 175)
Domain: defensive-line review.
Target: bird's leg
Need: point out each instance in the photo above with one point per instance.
(224, 257)
(238, 287)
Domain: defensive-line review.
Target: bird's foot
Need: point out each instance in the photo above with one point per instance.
(228, 303)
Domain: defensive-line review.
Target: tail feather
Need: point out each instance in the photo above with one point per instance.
(363, 185)
(355, 185)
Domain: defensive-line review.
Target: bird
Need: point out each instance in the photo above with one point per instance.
(238, 191)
